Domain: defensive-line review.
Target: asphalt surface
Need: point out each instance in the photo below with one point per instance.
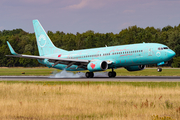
(118, 78)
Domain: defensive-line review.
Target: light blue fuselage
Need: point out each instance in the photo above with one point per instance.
(132, 57)
(119, 56)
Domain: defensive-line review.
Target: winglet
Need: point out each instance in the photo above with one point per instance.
(11, 49)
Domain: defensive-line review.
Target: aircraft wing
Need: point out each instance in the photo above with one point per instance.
(68, 62)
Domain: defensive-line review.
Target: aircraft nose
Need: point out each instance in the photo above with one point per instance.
(171, 54)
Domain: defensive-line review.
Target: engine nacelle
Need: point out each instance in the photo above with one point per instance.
(97, 66)
(135, 68)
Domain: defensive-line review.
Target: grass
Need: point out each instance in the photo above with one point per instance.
(90, 100)
(120, 72)
(26, 71)
(149, 72)
(135, 84)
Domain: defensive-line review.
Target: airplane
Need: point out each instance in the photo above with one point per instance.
(133, 57)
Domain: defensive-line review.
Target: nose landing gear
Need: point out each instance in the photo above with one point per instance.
(159, 69)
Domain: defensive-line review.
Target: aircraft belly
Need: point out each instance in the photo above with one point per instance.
(60, 66)
(71, 68)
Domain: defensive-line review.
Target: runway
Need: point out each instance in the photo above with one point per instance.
(118, 78)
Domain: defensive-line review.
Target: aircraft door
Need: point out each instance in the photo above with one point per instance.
(150, 52)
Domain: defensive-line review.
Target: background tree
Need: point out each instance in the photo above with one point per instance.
(25, 43)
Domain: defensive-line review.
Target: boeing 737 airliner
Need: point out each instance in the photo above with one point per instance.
(132, 57)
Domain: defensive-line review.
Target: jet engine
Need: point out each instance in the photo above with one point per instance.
(97, 66)
(135, 68)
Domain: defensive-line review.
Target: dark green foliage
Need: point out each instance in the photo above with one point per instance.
(167, 28)
(176, 61)
(25, 43)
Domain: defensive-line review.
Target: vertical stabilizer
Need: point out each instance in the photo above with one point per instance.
(45, 45)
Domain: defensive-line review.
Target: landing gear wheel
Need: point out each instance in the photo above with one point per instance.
(89, 74)
(92, 75)
(112, 74)
(159, 69)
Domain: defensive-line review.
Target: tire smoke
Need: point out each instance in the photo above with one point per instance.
(65, 74)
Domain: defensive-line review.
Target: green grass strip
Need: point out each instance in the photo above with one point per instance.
(120, 72)
(136, 84)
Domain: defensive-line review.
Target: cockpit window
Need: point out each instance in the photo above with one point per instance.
(162, 48)
(166, 48)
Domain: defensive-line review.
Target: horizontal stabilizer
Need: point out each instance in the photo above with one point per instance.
(11, 49)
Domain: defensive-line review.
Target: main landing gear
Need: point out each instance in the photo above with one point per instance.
(112, 74)
(159, 69)
(89, 74)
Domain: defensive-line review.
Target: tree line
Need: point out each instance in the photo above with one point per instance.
(25, 43)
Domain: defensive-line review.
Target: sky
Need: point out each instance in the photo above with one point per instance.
(103, 16)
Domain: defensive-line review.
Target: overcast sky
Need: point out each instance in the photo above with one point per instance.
(72, 16)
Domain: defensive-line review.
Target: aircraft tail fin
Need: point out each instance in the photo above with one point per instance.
(45, 45)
